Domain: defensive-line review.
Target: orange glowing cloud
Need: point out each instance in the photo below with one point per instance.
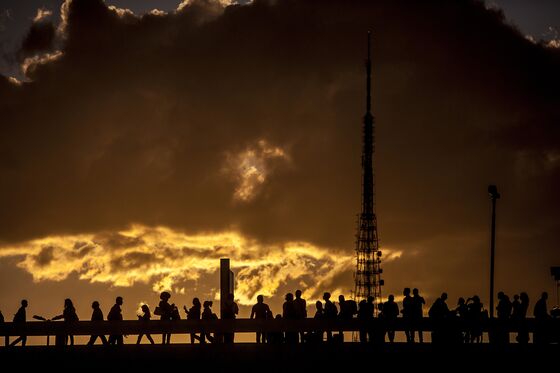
(165, 258)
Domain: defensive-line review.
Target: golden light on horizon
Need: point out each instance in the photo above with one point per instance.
(165, 259)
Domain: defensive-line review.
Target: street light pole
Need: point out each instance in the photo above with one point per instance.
(494, 195)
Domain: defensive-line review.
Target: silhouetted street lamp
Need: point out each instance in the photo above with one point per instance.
(494, 195)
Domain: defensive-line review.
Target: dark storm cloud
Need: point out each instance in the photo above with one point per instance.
(137, 119)
(39, 39)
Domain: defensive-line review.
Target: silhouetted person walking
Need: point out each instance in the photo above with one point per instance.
(461, 312)
(365, 314)
(540, 336)
(229, 312)
(317, 335)
(145, 317)
(165, 311)
(20, 318)
(301, 311)
(194, 313)
(96, 315)
(260, 312)
(501, 335)
(207, 314)
(69, 315)
(390, 314)
(475, 315)
(439, 312)
(289, 313)
(418, 303)
(115, 314)
(519, 314)
(330, 312)
(407, 313)
(276, 337)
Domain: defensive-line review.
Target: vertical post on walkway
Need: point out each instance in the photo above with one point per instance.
(494, 195)
(226, 282)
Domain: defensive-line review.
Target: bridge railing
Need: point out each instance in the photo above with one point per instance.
(134, 327)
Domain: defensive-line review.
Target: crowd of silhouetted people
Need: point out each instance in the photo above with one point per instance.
(463, 323)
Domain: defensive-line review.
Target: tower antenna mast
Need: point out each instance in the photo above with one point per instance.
(367, 276)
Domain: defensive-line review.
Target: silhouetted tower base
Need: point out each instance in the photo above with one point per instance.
(367, 277)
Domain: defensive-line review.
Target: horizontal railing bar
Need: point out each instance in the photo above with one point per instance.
(44, 328)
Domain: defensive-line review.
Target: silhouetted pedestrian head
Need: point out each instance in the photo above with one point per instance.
(289, 297)
(461, 301)
(119, 301)
(145, 309)
(24, 303)
(319, 306)
(341, 299)
(260, 299)
(444, 296)
(327, 296)
(164, 296)
(370, 299)
(68, 303)
(196, 302)
(501, 295)
(415, 291)
(524, 297)
(95, 305)
(544, 295)
(516, 297)
(207, 304)
(406, 292)
(298, 294)
(278, 317)
(391, 298)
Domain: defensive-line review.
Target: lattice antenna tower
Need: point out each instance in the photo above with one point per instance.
(367, 276)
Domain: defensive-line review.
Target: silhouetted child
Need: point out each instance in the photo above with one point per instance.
(97, 315)
(20, 318)
(69, 315)
(145, 317)
(276, 337)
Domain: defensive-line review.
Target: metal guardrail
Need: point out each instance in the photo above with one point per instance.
(133, 327)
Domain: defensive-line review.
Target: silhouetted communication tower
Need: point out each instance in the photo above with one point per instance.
(367, 277)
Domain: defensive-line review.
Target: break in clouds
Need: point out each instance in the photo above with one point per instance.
(220, 117)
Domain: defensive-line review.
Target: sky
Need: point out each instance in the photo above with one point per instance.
(139, 146)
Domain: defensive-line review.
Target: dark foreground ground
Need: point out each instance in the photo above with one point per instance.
(241, 357)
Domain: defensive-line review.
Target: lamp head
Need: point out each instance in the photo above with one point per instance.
(493, 191)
